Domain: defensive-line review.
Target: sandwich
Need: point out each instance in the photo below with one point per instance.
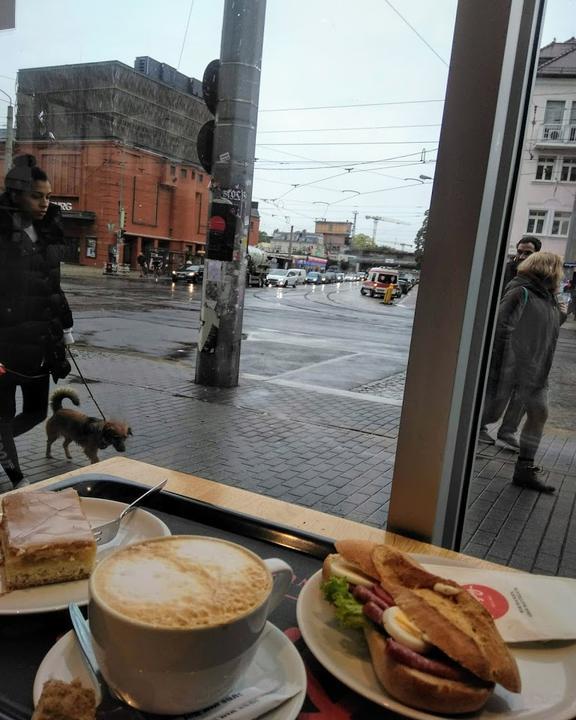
(433, 646)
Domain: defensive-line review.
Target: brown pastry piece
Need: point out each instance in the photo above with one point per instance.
(65, 701)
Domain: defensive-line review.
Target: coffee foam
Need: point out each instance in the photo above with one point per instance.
(181, 582)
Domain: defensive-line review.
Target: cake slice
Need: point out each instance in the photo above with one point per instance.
(65, 701)
(45, 538)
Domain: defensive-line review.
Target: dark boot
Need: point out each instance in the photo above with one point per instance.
(526, 476)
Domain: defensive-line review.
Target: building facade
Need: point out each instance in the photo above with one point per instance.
(119, 146)
(337, 235)
(547, 184)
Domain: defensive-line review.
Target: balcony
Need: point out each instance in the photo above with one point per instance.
(552, 134)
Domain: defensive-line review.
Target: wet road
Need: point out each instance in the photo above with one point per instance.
(329, 336)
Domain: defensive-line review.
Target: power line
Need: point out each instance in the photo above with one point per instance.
(185, 34)
(416, 32)
(343, 129)
(371, 142)
(355, 105)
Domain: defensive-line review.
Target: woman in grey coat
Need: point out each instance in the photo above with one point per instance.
(529, 320)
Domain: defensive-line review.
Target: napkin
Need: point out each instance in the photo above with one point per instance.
(247, 703)
(525, 607)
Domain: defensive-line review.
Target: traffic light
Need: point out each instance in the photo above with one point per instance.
(205, 140)
(221, 230)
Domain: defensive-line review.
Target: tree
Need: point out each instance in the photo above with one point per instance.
(420, 240)
(263, 236)
(362, 242)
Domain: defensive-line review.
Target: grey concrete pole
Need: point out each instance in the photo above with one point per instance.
(9, 148)
(218, 360)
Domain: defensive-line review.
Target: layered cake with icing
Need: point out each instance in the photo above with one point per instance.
(46, 538)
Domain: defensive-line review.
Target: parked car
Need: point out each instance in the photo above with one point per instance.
(314, 278)
(282, 278)
(188, 273)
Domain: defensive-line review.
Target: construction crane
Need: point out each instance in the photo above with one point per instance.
(381, 218)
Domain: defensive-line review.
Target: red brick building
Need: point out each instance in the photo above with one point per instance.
(119, 146)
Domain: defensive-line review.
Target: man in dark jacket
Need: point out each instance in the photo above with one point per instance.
(35, 318)
(515, 410)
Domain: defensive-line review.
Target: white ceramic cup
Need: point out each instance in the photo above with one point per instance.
(150, 651)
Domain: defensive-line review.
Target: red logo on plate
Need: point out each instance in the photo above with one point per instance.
(493, 601)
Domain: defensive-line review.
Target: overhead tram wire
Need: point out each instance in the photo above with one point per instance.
(423, 39)
(353, 105)
(361, 162)
(344, 129)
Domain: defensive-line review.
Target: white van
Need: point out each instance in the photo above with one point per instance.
(300, 275)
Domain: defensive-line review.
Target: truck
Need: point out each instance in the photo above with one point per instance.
(258, 267)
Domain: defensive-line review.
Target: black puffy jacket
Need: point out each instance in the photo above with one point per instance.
(33, 308)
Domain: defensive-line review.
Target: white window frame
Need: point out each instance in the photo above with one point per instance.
(570, 164)
(560, 223)
(534, 216)
(544, 162)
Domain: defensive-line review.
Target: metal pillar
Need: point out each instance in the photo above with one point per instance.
(218, 361)
(9, 147)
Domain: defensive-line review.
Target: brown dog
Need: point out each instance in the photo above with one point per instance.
(92, 434)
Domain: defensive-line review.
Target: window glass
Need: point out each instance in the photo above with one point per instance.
(568, 172)
(560, 223)
(536, 220)
(545, 168)
(554, 113)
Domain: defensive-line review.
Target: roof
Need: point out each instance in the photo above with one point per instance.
(558, 59)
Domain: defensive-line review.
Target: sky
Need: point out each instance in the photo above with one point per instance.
(351, 94)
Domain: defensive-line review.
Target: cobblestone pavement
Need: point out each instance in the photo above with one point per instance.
(329, 451)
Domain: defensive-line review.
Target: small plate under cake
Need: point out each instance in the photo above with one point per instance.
(139, 525)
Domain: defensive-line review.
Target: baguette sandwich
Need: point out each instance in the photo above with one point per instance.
(433, 645)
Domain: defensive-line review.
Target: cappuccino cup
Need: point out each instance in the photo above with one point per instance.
(176, 621)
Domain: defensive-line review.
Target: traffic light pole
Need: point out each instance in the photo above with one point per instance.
(218, 359)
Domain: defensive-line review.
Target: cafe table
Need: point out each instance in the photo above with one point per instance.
(191, 504)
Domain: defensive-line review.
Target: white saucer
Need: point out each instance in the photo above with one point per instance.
(139, 525)
(276, 659)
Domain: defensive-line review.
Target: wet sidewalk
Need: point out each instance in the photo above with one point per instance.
(329, 452)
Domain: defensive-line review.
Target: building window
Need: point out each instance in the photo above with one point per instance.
(560, 224)
(183, 173)
(173, 170)
(545, 168)
(554, 113)
(568, 172)
(536, 219)
(192, 174)
(200, 177)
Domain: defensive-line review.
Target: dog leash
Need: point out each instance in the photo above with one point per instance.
(84, 381)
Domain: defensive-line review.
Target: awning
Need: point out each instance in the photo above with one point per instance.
(81, 216)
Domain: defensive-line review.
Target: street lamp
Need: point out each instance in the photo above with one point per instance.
(356, 192)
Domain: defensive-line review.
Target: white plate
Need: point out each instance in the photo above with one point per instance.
(139, 525)
(547, 671)
(276, 658)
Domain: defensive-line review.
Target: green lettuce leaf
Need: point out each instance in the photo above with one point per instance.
(348, 609)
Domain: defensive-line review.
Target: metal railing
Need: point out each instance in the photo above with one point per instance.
(557, 133)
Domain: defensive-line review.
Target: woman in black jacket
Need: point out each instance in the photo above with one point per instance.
(35, 318)
(529, 320)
